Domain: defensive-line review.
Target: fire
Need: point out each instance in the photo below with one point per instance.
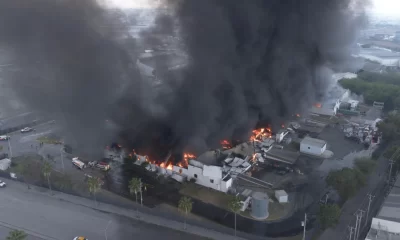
(167, 166)
(297, 115)
(186, 158)
(283, 125)
(258, 134)
(225, 144)
(318, 105)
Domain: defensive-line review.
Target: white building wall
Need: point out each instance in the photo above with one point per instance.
(198, 174)
(311, 149)
(225, 185)
(385, 225)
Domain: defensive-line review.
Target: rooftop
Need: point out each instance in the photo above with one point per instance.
(381, 53)
(391, 206)
(390, 211)
(322, 111)
(313, 141)
(281, 155)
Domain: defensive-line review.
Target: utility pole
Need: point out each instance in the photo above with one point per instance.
(304, 224)
(370, 197)
(390, 170)
(105, 230)
(9, 146)
(141, 196)
(357, 225)
(62, 159)
(359, 216)
(351, 229)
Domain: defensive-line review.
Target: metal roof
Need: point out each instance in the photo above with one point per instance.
(391, 207)
(313, 142)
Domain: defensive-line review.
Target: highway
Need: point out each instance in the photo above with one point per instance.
(47, 218)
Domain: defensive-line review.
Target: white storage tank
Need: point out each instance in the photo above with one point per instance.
(312, 146)
(259, 205)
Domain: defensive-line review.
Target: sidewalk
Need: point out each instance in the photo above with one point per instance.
(138, 215)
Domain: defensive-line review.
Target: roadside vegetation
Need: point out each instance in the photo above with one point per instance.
(49, 140)
(347, 181)
(34, 170)
(328, 215)
(376, 87)
(17, 235)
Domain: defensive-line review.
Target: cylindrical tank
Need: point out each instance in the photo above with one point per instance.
(259, 205)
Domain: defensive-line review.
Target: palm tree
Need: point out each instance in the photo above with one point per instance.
(94, 186)
(135, 187)
(235, 205)
(16, 235)
(185, 205)
(46, 170)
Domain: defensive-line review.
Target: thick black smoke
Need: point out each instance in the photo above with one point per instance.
(249, 61)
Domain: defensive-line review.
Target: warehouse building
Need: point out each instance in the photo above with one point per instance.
(386, 225)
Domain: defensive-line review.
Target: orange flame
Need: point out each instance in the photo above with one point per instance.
(225, 144)
(169, 167)
(318, 105)
(258, 134)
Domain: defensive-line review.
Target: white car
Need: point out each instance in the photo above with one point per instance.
(27, 129)
(4, 137)
(2, 184)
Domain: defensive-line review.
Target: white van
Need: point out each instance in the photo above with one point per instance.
(78, 163)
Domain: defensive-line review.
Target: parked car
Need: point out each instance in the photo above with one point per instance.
(80, 238)
(27, 129)
(2, 184)
(4, 137)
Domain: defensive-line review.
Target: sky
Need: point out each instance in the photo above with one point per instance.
(382, 7)
(126, 4)
(386, 8)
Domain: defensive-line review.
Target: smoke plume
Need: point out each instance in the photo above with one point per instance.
(249, 62)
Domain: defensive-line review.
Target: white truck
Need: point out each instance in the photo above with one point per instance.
(78, 163)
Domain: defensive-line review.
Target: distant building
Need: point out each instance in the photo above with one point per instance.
(386, 58)
(386, 225)
(312, 146)
(397, 36)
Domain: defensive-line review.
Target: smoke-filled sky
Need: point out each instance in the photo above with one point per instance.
(249, 61)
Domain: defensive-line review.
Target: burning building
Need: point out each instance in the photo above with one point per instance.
(205, 175)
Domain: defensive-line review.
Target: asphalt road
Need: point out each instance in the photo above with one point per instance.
(22, 143)
(45, 217)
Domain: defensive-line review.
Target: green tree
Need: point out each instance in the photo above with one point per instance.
(328, 215)
(46, 171)
(346, 181)
(365, 165)
(94, 185)
(235, 205)
(16, 235)
(185, 205)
